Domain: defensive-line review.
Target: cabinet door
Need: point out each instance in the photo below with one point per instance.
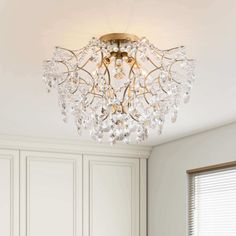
(9, 193)
(111, 196)
(51, 194)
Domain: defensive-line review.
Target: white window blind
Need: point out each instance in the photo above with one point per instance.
(212, 202)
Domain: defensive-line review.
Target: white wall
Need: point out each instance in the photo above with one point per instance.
(167, 178)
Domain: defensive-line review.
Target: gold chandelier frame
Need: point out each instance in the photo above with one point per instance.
(121, 82)
(132, 61)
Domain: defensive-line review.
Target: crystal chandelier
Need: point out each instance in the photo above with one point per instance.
(120, 86)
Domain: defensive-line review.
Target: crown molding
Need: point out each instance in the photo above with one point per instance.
(73, 146)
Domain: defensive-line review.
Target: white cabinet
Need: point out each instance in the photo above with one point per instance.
(111, 196)
(47, 193)
(51, 194)
(9, 193)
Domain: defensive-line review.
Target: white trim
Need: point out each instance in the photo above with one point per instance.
(13, 157)
(89, 163)
(143, 197)
(26, 157)
(73, 147)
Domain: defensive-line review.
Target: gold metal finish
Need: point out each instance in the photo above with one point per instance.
(119, 37)
(128, 89)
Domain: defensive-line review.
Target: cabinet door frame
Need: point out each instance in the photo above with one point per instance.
(25, 158)
(89, 161)
(13, 157)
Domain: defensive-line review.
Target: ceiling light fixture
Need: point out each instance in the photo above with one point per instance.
(120, 85)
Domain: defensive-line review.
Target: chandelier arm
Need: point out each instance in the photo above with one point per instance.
(133, 117)
(134, 63)
(96, 94)
(79, 50)
(63, 80)
(131, 69)
(78, 87)
(159, 83)
(158, 52)
(141, 86)
(149, 59)
(152, 71)
(145, 89)
(102, 58)
(92, 99)
(71, 51)
(108, 73)
(177, 82)
(85, 63)
(169, 58)
(84, 81)
(68, 72)
(162, 54)
(75, 90)
(89, 59)
(146, 98)
(70, 57)
(105, 117)
(134, 83)
(126, 89)
(93, 88)
(170, 49)
(177, 60)
(181, 60)
(142, 94)
(134, 79)
(80, 68)
(171, 77)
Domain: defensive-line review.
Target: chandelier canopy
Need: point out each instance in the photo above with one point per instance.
(120, 86)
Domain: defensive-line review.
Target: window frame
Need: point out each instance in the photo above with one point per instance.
(211, 167)
(200, 170)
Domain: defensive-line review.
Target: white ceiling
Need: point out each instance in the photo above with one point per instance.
(30, 29)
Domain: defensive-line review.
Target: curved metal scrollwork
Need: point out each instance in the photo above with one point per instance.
(120, 88)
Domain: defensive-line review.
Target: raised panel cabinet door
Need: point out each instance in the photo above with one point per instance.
(51, 194)
(111, 196)
(9, 193)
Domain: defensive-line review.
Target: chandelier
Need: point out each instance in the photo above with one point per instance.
(120, 86)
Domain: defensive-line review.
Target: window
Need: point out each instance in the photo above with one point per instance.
(212, 201)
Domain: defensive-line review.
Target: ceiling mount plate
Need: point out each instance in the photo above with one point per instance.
(119, 37)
